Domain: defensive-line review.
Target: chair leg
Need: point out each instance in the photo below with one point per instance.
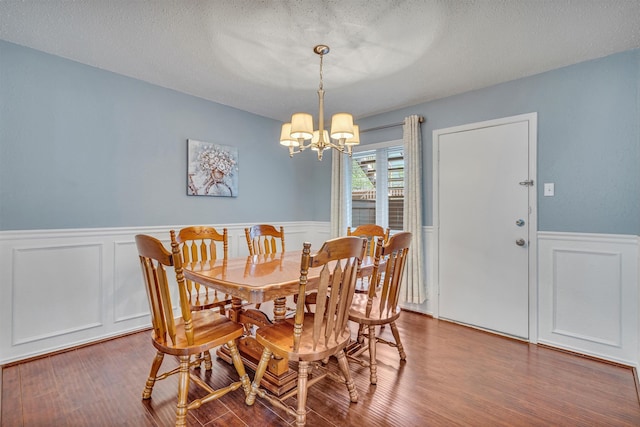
(301, 412)
(396, 336)
(373, 367)
(344, 367)
(207, 361)
(155, 366)
(260, 370)
(183, 391)
(360, 333)
(237, 362)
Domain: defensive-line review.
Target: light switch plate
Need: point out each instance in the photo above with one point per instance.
(549, 189)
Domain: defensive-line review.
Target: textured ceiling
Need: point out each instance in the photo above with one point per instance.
(258, 55)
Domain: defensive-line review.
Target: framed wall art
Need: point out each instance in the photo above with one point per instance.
(212, 169)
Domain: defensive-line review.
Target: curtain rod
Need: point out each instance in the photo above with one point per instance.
(392, 125)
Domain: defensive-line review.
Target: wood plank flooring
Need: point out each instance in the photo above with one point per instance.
(453, 376)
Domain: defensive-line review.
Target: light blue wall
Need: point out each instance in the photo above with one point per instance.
(82, 147)
(588, 139)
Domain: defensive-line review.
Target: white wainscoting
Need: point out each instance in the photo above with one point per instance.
(427, 250)
(63, 288)
(588, 294)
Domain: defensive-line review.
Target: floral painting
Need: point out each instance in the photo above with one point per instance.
(212, 169)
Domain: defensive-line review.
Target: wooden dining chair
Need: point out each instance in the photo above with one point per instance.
(313, 337)
(186, 336)
(263, 239)
(379, 306)
(373, 233)
(202, 244)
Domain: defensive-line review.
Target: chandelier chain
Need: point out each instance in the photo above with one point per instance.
(321, 80)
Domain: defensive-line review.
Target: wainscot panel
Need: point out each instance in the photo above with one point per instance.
(63, 288)
(588, 301)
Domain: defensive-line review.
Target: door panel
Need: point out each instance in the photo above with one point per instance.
(483, 273)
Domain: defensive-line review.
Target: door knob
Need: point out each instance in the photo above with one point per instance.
(520, 242)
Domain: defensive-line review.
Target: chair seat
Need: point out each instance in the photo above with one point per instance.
(358, 310)
(279, 339)
(211, 330)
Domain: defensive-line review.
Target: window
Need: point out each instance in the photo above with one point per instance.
(378, 171)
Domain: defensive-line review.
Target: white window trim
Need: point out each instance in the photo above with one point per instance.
(382, 184)
(378, 145)
(382, 208)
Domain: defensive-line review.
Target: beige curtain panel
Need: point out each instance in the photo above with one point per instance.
(340, 194)
(414, 286)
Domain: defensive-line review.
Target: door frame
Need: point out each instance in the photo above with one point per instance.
(532, 119)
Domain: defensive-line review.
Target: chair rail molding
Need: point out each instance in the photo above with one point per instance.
(69, 287)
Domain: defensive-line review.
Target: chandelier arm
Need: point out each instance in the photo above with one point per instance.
(335, 146)
(292, 151)
(345, 149)
(303, 147)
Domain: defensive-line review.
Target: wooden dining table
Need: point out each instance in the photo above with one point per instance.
(258, 279)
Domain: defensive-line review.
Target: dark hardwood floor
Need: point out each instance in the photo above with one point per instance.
(454, 375)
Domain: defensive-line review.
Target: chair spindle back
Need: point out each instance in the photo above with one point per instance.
(202, 244)
(263, 239)
(154, 259)
(340, 260)
(394, 253)
(373, 233)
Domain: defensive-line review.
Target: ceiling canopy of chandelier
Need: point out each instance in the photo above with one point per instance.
(344, 134)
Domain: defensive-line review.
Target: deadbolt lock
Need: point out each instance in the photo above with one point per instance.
(520, 222)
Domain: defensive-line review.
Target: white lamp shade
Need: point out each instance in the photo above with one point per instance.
(316, 136)
(342, 126)
(302, 126)
(355, 139)
(285, 136)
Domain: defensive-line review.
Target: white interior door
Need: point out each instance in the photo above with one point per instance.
(483, 237)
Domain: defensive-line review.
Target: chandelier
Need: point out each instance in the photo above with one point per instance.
(344, 134)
